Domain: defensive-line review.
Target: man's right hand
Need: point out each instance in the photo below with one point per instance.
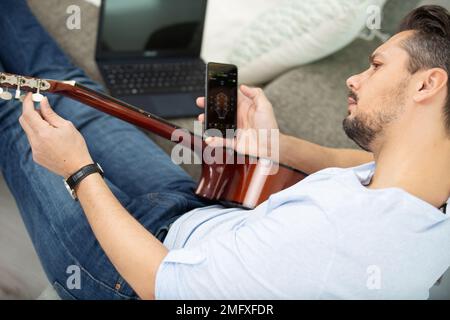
(255, 116)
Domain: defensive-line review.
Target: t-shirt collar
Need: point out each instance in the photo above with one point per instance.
(365, 173)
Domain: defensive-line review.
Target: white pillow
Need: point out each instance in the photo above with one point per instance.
(266, 38)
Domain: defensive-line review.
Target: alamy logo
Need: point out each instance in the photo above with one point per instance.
(73, 21)
(373, 21)
(261, 144)
(373, 277)
(73, 281)
(373, 25)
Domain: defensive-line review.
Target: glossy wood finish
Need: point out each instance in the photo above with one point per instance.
(126, 112)
(246, 182)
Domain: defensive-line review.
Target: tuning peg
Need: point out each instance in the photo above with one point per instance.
(6, 95)
(37, 97)
(17, 94)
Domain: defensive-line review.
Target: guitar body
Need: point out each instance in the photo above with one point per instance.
(232, 179)
(245, 185)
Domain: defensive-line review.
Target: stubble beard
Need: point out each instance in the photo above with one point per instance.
(364, 129)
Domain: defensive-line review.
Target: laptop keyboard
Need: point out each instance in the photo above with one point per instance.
(141, 78)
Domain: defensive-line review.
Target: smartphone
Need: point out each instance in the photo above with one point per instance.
(220, 99)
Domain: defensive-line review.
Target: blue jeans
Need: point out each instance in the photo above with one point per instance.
(153, 189)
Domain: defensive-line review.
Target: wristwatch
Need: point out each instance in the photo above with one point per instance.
(76, 178)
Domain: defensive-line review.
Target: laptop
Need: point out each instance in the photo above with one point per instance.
(148, 52)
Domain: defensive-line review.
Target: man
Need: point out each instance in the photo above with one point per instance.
(370, 231)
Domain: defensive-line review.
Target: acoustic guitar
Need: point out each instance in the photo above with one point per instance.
(236, 180)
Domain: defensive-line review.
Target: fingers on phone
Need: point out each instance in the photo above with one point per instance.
(201, 117)
(218, 142)
(214, 141)
(200, 102)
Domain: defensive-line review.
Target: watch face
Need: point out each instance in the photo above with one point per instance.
(72, 192)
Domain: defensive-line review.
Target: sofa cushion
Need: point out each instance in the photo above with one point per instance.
(265, 40)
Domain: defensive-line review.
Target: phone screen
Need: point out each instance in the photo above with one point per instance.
(221, 98)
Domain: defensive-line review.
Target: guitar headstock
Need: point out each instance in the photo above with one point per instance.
(21, 83)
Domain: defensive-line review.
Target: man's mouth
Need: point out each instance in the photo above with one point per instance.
(351, 105)
(351, 101)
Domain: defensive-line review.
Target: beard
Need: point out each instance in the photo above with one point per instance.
(365, 128)
(361, 133)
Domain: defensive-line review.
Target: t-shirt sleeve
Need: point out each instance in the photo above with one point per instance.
(283, 255)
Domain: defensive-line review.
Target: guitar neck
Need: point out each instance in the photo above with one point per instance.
(126, 112)
(104, 103)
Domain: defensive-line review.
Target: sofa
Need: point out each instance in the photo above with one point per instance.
(309, 100)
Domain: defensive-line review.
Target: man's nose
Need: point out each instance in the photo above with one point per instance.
(353, 83)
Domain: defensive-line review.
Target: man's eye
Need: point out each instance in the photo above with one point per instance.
(375, 66)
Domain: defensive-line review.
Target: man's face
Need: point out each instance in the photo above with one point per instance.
(378, 95)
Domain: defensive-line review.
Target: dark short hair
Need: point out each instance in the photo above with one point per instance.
(429, 46)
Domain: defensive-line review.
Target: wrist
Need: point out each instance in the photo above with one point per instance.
(282, 141)
(87, 180)
(75, 166)
(283, 147)
(76, 178)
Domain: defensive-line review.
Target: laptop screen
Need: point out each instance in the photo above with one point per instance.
(150, 28)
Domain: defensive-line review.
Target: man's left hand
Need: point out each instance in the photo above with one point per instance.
(55, 142)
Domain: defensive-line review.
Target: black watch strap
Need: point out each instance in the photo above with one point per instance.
(85, 171)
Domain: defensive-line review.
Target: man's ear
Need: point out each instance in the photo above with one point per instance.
(431, 83)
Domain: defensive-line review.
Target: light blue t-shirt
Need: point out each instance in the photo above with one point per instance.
(326, 237)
